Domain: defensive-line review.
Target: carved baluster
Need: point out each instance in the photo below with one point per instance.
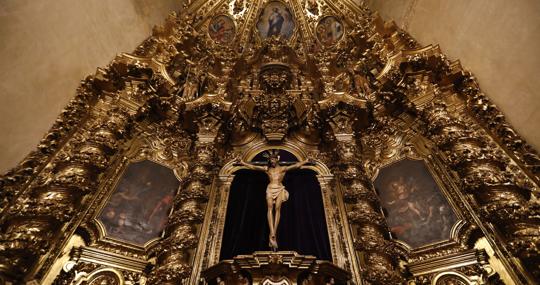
(483, 169)
(40, 217)
(371, 231)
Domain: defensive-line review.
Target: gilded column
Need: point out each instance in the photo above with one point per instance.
(39, 219)
(378, 254)
(173, 254)
(483, 168)
(174, 260)
(372, 240)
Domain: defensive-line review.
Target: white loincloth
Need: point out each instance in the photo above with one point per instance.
(273, 191)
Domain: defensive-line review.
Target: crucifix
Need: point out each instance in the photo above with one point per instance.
(276, 193)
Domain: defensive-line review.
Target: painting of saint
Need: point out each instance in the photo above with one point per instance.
(221, 29)
(416, 210)
(275, 20)
(137, 210)
(329, 30)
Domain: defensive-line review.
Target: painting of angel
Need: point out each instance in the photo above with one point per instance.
(416, 210)
(138, 208)
(329, 30)
(221, 29)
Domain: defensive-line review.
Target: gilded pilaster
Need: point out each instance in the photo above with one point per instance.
(174, 253)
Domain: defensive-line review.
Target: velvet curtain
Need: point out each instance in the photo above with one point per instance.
(302, 227)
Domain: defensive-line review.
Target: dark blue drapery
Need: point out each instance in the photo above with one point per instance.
(302, 227)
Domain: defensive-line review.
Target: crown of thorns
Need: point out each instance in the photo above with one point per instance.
(273, 153)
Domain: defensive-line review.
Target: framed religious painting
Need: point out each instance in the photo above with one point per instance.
(276, 20)
(222, 29)
(329, 30)
(416, 209)
(137, 210)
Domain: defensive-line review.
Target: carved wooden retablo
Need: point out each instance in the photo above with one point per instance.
(421, 178)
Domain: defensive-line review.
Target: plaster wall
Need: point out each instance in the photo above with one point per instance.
(498, 40)
(47, 47)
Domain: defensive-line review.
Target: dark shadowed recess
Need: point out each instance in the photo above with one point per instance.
(302, 227)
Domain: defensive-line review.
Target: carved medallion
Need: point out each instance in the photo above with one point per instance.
(329, 30)
(222, 29)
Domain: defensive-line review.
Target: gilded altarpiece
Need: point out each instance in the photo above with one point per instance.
(422, 179)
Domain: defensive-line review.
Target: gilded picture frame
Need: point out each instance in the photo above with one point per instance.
(94, 229)
(209, 29)
(413, 148)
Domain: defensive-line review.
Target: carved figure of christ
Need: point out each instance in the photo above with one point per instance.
(276, 193)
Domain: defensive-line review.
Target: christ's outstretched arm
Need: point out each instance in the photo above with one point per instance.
(297, 165)
(252, 167)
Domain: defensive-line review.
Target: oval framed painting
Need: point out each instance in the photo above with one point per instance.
(276, 20)
(329, 30)
(222, 29)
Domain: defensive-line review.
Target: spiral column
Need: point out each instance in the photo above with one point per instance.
(483, 168)
(36, 221)
(370, 231)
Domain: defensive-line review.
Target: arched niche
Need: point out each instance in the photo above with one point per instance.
(302, 226)
(340, 237)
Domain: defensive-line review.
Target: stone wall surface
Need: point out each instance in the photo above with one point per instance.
(497, 40)
(47, 47)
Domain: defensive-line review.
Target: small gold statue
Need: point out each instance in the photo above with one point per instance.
(312, 7)
(276, 193)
